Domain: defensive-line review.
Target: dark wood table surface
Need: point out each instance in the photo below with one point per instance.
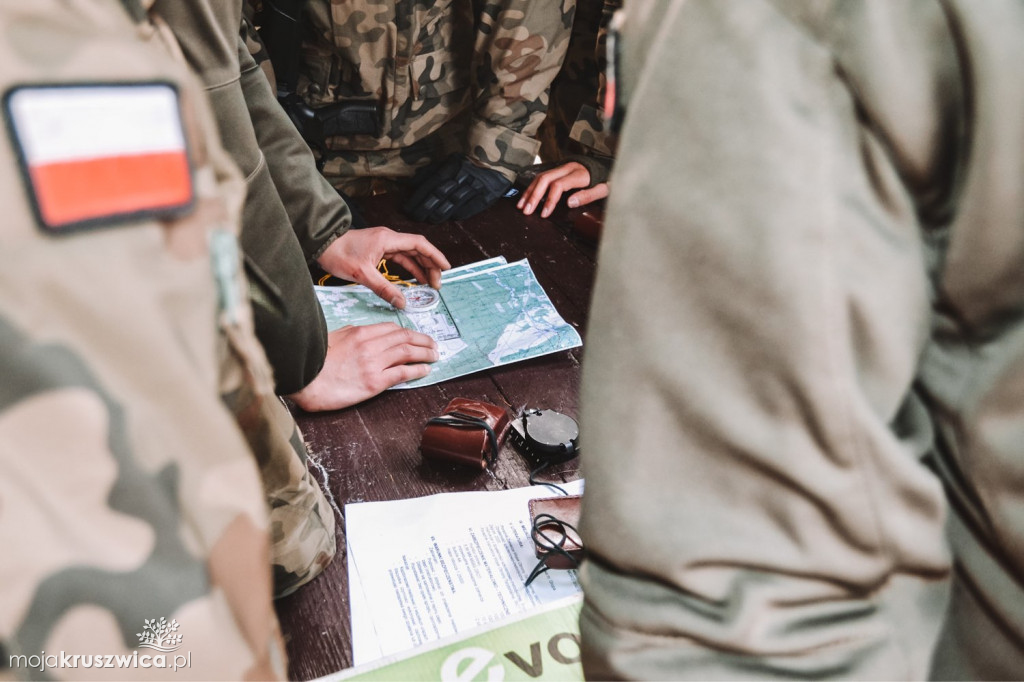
(370, 452)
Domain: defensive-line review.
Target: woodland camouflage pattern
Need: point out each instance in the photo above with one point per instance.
(414, 57)
(574, 125)
(301, 520)
(252, 41)
(127, 490)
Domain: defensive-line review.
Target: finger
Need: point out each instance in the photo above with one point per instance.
(393, 376)
(405, 354)
(430, 274)
(422, 247)
(412, 265)
(586, 196)
(435, 278)
(539, 187)
(375, 282)
(374, 349)
(428, 258)
(399, 336)
(578, 178)
(364, 333)
(528, 194)
(554, 194)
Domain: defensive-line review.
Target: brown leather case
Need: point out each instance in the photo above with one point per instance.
(465, 446)
(566, 509)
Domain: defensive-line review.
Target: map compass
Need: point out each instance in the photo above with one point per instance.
(421, 299)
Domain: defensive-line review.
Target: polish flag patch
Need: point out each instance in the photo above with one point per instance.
(98, 154)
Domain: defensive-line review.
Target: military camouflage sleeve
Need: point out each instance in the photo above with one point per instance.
(520, 46)
(589, 130)
(132, 520)
(574, 125)
(317, 212)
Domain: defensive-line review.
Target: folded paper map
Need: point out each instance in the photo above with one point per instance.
(490, 313)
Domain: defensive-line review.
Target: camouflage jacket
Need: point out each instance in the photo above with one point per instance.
(473, 71)
(131, 511)
(574, 126)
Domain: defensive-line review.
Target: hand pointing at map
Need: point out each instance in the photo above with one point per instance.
(354, 256)
(363, 361)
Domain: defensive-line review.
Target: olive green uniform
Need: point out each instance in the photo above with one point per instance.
(127, 491)
(291, 214)
(289, 209)
(827, 199)
(448, 76)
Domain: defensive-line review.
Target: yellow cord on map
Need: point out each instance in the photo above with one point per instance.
(382, 266)
(394, 279)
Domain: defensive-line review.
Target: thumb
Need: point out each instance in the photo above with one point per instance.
(586, 196)
(385, 289)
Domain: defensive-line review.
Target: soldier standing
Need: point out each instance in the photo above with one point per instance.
(131, 509)
(387, 88)
(827, 386)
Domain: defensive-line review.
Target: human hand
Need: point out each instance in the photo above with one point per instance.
(354, 256)
(455, 190)
(554, 183)
(363, 361)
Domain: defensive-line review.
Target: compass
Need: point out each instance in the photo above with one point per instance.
(421, 299)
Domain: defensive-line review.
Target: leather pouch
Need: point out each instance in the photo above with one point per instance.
(554, 521)
(459, 435)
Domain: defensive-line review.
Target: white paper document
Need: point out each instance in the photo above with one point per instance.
(425, 568)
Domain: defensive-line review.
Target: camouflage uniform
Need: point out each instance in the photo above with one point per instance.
(574, 129)
(450, 76)
(284, 190)
(127, 492)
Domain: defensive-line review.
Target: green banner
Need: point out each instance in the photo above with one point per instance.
(543, 645)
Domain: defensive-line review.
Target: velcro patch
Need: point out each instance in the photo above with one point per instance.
(93, 155)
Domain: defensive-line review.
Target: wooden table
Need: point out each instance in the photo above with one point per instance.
(370, 452)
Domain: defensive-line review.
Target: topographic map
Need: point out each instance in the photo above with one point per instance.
(490, 313)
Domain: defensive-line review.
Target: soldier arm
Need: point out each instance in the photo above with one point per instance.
(289, 322)
(591, 136)
(318, 214)
(520, 46)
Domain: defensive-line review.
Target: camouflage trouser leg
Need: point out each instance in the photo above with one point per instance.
(301, 520)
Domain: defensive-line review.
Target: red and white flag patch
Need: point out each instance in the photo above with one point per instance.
(98, 153)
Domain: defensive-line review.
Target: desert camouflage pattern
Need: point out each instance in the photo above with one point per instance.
(574, 124)
(127, 491)
(416, 59)
(301, 521)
